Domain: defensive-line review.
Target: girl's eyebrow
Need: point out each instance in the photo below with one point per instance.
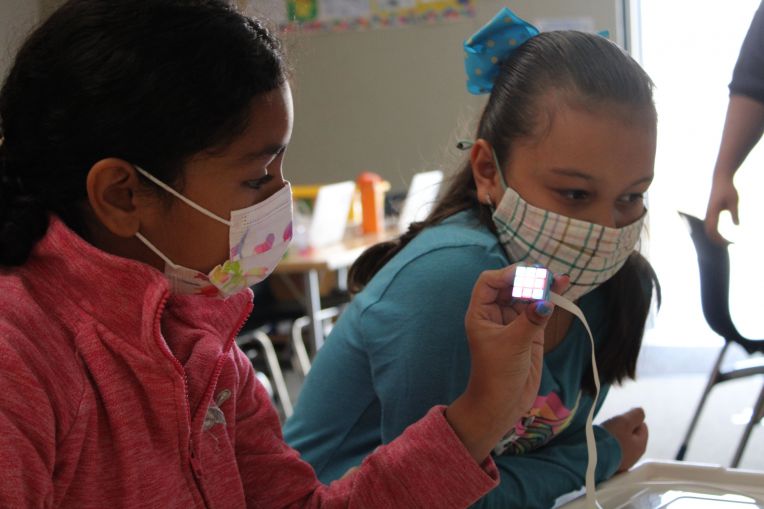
(270, 150)
(570, 172)
(643, 180)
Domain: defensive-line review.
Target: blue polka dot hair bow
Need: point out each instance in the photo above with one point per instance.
(492, 44)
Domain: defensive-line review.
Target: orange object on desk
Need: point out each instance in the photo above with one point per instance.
(372, 189)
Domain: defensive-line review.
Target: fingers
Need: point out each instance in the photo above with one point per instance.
(627, 422)
(630, 430)
(634, 417)
(723, 197)
(639, 426)
(641, 433)
(712, 224)
(495, 287)
(712, 228)
(733, 211)
(491, 283)
(538, 314)
(561, 283)
(530, 323)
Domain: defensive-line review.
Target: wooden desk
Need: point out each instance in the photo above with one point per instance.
(337, 257)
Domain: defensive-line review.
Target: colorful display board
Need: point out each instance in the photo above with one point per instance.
(344, 15)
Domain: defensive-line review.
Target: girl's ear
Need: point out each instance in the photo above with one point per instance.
(113, 194)
(484, 171)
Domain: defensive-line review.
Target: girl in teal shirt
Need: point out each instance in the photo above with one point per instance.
(563, 155)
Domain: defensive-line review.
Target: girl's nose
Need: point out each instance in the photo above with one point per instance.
(606, 216)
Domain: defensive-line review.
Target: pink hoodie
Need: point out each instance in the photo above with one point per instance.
(115, 393)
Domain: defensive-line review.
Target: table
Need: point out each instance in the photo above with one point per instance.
(337, 257)
(677, 485)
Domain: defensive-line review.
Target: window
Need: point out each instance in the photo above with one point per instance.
(689, 48)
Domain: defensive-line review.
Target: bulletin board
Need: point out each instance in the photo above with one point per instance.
(351, 15)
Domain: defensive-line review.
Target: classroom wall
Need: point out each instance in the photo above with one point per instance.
(48, 6)
(391, 101)
(17, 18)
(394, 100)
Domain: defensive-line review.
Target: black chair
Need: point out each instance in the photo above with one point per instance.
(714, 267)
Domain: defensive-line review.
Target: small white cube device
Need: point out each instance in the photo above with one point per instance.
(532, 283)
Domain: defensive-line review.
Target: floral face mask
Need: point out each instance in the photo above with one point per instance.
(258, 238)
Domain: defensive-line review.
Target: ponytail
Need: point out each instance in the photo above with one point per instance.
(23, 220)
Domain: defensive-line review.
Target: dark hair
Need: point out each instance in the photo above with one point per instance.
(148, 81)
(585, 70)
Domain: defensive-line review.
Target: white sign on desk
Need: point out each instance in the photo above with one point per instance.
(330, 213)
(420, 198)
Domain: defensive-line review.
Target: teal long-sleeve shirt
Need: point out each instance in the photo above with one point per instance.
(400, 348)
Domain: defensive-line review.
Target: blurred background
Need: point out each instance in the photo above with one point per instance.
(391, 101)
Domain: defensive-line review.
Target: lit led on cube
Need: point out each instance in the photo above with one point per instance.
(532, 283)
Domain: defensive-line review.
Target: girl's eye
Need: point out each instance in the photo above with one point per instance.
(633, 198)
(259, 182)
(574, 194)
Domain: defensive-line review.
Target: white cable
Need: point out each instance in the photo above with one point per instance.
(591, 445)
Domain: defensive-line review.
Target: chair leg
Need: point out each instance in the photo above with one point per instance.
(298, 342)
(755, 418)
(298, 346)
(272, 362)
(712, 380)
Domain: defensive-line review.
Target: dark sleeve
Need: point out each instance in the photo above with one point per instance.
(748, 76)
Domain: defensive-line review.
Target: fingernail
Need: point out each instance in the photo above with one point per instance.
(543, 308)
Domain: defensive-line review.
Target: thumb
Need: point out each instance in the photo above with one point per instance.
(733, 211)
(539, 312)
(532, 321)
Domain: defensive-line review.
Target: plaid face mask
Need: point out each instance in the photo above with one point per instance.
(589, 253)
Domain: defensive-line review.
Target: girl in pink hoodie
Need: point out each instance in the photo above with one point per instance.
(141, 194)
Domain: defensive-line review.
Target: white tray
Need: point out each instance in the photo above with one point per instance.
(679, 485)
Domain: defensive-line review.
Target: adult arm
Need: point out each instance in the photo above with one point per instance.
(742, 127)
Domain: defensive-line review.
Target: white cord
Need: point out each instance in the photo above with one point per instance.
(591, 445)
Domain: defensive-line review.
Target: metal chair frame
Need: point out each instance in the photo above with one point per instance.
(265, 345)
(713, 265)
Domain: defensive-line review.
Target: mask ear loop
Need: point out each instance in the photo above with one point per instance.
(591, 446)
(181, 197)
(156, 250)
(468, 144)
